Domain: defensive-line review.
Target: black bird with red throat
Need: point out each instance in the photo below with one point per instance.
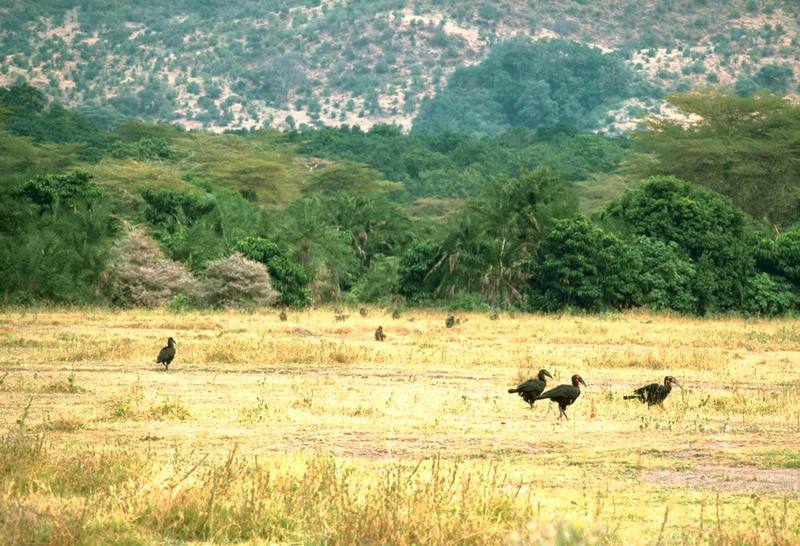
(654, 394)
(530, 389)
(564, 395)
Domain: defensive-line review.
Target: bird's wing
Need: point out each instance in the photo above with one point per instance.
(557, 392)
(530, 385)
(648, 389)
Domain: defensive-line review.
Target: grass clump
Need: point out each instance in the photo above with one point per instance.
(326, 501)
(132, 404)
(70, 386)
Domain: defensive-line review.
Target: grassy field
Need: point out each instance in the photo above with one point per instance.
(310, 432)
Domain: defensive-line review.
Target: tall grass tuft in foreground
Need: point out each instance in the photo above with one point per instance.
(286, 499)
(321, 499)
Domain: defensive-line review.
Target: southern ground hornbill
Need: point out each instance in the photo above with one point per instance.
(654, 393)
(167, 354)
(530, 389)
(564, 395)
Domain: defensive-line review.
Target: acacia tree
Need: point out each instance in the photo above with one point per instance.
(745, 148)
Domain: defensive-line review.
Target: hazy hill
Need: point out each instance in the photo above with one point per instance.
(285, 63)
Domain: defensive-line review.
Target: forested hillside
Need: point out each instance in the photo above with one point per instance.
(290, 64)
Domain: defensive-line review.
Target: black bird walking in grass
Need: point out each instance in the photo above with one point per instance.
(564, 395)
(167, 354)
(654, 394)
(530, 389)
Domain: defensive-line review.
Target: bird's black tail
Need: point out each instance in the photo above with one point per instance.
(512, 391)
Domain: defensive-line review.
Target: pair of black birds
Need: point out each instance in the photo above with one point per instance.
(565, 395)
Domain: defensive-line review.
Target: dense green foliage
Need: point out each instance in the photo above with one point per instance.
(578, 264)
(55, 235)
(336, 216)
(528, 84)
(458, 165)
(705, 227)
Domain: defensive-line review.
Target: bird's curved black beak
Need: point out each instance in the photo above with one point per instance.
(582, 382)
(676, 382)
(548, 374)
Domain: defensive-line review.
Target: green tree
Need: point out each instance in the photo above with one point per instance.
(704, 225)
(578, 264)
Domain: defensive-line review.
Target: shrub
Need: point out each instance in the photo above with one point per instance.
(577, 264)
(144, 149)
(66, 189)
(665, 276)
(289, 278)
(143, 276)
(767, 295)
(415, 264)
(236, 280)
(705, 226)
(783, 255)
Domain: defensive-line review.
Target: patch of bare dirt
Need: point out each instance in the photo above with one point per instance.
(729, 478)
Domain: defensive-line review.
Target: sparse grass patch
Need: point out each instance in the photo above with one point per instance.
(169, 410)
(70, 386)
(131, 404)
(61, 424)
(128, 404)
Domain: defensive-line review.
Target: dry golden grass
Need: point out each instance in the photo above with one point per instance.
(309, 431)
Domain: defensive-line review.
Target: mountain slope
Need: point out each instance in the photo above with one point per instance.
(284, 63)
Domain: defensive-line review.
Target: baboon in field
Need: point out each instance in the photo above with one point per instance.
(363, 312)
(284, 317)
(396, 314)
(494, 316)
(450, 321)
(379, 335)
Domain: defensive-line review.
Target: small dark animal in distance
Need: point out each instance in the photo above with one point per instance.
(451, 321)
(379, 335)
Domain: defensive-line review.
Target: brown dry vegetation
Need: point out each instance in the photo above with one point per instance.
(308, 431)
